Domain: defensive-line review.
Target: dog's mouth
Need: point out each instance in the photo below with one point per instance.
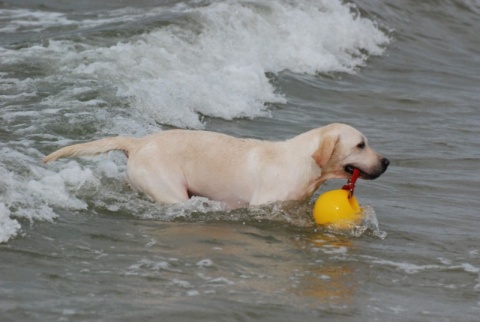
(364, 175)
(349, 168)
(373, 172)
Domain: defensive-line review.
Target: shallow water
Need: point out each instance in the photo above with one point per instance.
(78, 244)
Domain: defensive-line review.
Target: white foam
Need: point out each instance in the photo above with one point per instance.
(35, 196)
(219, 281)
(215, 62)
(221, 70)
(8, 227)
(16, 202)
(470, 268)
(332, 249)
(411, 268)
(147, 267)
(193, 293)
(194, 204)
(23, 20)
(205, 263)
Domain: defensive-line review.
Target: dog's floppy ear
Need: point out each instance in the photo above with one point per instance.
(325, 150)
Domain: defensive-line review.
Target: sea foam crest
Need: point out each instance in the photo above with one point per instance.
(217, 64)
(35, 197)
(214, 60)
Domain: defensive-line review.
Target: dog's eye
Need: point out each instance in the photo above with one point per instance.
(361, 145)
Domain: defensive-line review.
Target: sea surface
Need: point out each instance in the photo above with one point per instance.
(77, 244)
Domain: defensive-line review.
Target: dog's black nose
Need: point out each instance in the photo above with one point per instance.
(385, 163)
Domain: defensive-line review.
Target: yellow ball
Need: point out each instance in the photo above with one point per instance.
(335, 207)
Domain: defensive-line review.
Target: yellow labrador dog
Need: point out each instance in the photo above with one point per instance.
(173, 165)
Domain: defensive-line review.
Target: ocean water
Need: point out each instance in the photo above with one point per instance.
(76, 243)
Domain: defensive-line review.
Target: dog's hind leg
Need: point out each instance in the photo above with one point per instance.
(165, 187)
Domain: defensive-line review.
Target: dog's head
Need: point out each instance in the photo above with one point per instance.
(342, 149)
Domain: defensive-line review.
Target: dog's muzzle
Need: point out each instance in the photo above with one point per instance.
(371, 173)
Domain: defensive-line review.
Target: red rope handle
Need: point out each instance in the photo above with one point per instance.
(350, 186)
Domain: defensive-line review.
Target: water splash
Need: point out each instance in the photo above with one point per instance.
(369, 225)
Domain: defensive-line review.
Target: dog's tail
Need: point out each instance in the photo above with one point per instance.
(92, 148)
